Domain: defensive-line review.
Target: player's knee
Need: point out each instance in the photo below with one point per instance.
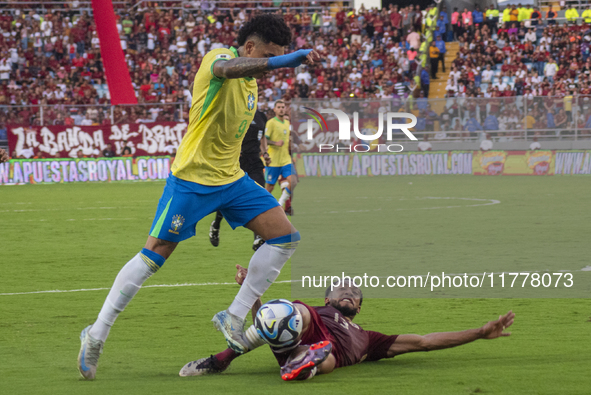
(152, 259)
(327, 365)
(161, 247)
(288, 242)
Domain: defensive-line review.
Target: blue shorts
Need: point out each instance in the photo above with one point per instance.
(272, 173)
(184, 203)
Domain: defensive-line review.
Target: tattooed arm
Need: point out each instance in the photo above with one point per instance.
(248, 67)
(240, 67)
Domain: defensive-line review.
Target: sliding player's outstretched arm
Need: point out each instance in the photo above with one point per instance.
(442, 340)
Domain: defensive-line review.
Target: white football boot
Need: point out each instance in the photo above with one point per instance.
(233, 329)
(90, 351)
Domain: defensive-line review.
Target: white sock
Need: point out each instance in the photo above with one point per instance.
(253, 339)
(128, 282)
(263, 269)
(284, 196)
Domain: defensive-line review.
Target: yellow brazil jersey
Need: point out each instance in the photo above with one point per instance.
(277, 130)
(221, 112)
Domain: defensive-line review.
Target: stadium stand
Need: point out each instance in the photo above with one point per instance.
(525, 71)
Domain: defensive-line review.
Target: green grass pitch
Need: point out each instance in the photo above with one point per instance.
(77, 236)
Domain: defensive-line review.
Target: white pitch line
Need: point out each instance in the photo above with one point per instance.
(490, 202)
(67, 209)
(58, 291)
(82, 219)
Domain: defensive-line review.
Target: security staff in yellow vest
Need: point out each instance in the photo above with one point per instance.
(528, 11)
(492, 18)
(571, 15)
(506, 15)
(316, 18)
(586, 15)
(522, 13)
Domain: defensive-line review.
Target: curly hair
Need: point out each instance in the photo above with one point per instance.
(267, 27)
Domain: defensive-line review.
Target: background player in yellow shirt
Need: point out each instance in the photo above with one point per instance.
(278, 131)
(206, 177)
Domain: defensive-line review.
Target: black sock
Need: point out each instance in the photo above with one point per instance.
(218, 219)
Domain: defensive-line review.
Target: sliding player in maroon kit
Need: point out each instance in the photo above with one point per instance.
(330, 339)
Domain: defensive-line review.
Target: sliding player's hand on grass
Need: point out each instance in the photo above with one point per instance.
(240, 274)
(3, 156)
(494, 329)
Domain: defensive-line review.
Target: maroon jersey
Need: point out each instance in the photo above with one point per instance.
(351, 344)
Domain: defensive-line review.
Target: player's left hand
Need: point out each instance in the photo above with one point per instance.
(3, 156)
(240, 274)
(267, 159)
(313, 57)
(494, 329)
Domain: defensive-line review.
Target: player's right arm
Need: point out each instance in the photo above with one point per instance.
(3, 156)
(242, 66)
(270, 135)
(266, 156)
(442, 340)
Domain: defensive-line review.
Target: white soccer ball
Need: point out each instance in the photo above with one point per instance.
(278, 323)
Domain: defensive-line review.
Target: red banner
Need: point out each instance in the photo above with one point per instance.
(116, 69)
(144, 139)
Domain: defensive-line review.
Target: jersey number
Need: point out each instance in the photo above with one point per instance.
(343, 322)
(241, 129)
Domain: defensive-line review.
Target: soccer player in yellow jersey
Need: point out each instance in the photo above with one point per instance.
(206, 177)
(278, 132)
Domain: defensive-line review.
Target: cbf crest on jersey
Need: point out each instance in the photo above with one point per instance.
(250, 102)
(177, 224)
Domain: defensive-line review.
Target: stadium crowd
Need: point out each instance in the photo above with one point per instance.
(53, 60)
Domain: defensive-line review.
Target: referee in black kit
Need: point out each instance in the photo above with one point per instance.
(253, 144)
